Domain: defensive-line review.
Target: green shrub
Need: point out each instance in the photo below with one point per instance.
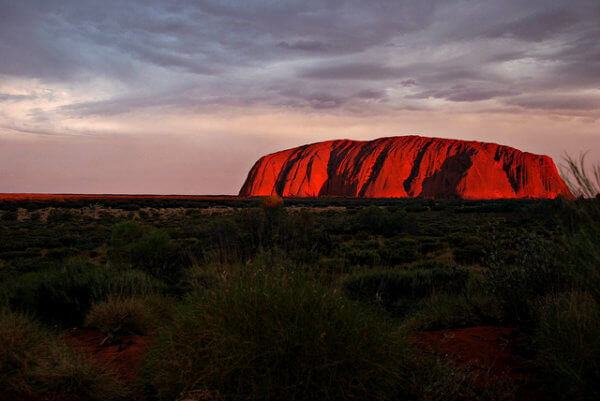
(149, 250)
(226, 241)
(430, 245)
(9, 216)
(399, 291)
(34, 217)
(399, 251)
(568, 344)
(520, 280)
(60, 253)
(273, 336)
(156, 253)
(378, 220)
(123, 236)
(363, 257)
(445, 311)
(431, 264)
(195, 279)
(469, 254)
(64, 295)
(129, 315)
(59, 216)
(36, 363)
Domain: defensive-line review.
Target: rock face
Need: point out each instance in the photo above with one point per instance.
(405, 166)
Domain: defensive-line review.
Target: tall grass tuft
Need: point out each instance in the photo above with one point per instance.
(576, 175)
(399, 291)
(582, 239)
(129, 315)
(64, 295)
(568, 333)
(272, 335)
(568, 344)
(35, 362)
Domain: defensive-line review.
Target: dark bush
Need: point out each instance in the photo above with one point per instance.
(63, 295)
(470, 254)
(363, 257)
(430, 244)
(568, 344)
(150, 250)
(271, 336)
(36, 364)
(378, 220)
(9, 216)
(529, 275)
(226, 241)
(57, 216)
(399, 291)
(34, 217)
(433, 264)
(123, 236)
(399, 251)
(156, 253)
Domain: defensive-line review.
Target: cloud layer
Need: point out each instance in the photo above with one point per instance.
(180, 72)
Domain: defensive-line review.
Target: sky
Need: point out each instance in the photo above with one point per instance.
(182, 97)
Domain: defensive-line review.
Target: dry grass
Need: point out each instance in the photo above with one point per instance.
(129, 315)
(35, 361)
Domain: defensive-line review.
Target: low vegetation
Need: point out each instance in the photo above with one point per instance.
(129, 315)
(33, 360)
(273, 335)
(300, 298)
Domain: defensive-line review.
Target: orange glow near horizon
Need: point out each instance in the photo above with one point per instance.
(212, 154)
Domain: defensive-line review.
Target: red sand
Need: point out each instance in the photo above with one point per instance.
(123, 355)
(406, 166)
(490, 352)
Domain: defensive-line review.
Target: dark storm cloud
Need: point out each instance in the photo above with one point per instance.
(319, 55)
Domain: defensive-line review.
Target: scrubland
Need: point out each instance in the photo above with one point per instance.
(303, 299)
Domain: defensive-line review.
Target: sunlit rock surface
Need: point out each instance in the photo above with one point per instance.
(405, 166)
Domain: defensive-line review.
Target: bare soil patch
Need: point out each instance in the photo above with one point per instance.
(492, 355)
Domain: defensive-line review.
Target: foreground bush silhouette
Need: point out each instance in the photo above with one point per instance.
(34, 362)
(63, 295)
(567, 336)
(274, 336)
(568, 344)
(399, 291)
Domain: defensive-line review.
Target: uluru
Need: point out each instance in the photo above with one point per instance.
(405, 166)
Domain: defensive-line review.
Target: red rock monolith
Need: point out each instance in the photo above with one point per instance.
(405, 166)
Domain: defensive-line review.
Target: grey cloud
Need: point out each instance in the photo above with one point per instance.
(558, 102)
(190, 54)
(304, 45)
(7, 97)
(537, 26)
(324, 101)
(461, 93)
(354, 71)
(371, 94)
